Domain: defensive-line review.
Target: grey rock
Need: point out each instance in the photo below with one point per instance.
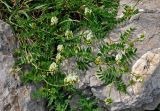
(13, 96)
(147, 21)
(145, 93)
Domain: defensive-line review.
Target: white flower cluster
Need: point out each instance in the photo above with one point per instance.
(119, 56)
(53, 67)
(71, 79)
(54, 20)
(87, 11)
(69, 34)
(59, 57)
(60, 48)
(88, 35)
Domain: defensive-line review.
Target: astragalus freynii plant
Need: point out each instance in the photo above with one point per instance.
(47, 34)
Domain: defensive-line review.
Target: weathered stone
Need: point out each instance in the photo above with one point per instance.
(147, 21)
(13, 96)
(145, 93)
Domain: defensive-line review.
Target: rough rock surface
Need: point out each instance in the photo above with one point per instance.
(147, 21)
(145, 93)
(13, 96)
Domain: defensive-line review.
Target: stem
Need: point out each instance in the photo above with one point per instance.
(52, 84)
(69, 20)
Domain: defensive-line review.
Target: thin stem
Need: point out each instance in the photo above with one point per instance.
(52, 84)
(69, 20)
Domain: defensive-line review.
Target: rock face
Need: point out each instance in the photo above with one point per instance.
(148, 21)
(13, 96)
(144, 94)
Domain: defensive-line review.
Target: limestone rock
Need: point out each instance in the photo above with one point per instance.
(145, 93)
(147, 21)
(13, 96)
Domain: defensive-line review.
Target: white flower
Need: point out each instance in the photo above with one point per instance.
(53, 67)
(71, 79)
(69, 34)
(60, 48)
(54, 20)
(88, 36)
(118, 56)
(58, 57)
(87, 11)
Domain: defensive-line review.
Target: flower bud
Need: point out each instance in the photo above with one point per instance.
(60, 48)
(71, 79)
(98, 60)
(69, 34)
(58, 57)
